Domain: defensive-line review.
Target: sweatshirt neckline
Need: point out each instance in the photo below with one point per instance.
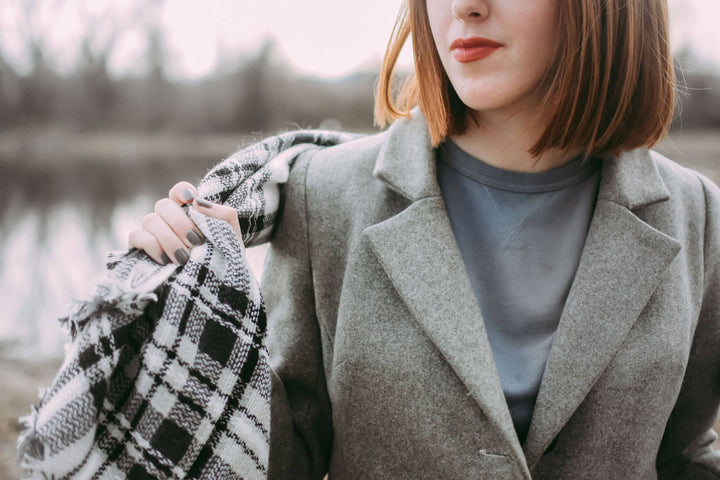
(570, 173)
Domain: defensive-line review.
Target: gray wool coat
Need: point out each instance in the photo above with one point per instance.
(381, 367)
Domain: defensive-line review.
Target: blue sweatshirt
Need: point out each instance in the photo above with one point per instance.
(520, 235)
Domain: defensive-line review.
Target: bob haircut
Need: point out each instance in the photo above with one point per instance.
(610, 87)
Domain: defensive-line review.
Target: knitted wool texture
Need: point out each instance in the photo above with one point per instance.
(167, 374)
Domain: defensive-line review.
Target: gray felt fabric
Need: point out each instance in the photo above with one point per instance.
(381, 365)
(520, 235)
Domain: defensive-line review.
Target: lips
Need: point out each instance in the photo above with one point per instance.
(472, 49)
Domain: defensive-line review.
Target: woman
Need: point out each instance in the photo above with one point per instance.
(506, 283)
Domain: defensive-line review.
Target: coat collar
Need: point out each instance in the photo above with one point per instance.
(632, 180)
(406, 163)
(620, 267)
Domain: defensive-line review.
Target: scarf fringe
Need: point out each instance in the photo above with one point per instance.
(30, 448)
(108, 297)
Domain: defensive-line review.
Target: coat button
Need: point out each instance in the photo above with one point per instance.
(552, 445)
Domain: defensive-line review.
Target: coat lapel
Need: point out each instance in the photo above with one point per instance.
(419, 253)
(621, 265)
(420, 256)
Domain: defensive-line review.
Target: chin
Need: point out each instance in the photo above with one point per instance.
(487, 100)
(484, 103)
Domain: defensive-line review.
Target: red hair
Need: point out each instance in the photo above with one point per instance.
(610, 88)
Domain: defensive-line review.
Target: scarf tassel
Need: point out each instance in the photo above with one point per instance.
(107, 298)
(30, 448)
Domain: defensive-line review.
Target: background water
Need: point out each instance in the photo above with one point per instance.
(57, 226)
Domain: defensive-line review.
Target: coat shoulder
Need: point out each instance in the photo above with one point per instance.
(685, 182)
(342, 195)
(345, 165)
(694, 201)
(340, 179)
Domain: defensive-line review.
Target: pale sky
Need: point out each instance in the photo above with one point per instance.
(326, 37)
(334, 37)
(329, 38)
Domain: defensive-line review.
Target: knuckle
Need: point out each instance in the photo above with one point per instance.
(161, 204)
(149, 219)
(170, 243)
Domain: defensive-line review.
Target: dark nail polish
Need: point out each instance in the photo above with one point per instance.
(181, 256)
(194, 238)
(203, 203)
(188, 195)
(165, 259)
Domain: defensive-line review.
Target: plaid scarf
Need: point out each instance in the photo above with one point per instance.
(167, 375)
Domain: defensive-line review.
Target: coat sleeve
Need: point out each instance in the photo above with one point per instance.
(687, 448)
(301, 425)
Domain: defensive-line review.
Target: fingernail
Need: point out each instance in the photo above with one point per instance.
(188, 195)
(165, 259)
(194, 238)
(181, 256)
(203, 203)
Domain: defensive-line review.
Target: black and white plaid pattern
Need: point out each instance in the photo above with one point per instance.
(167, 375)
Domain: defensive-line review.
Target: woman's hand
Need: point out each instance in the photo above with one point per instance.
(168, 234)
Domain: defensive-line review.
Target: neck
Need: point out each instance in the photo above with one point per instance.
(503, 141)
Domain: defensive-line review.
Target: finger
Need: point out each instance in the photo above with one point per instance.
(171, 244)
(174, 215)
(145, 241)
(221, 212)
(182, 193)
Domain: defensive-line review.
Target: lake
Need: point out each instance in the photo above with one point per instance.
(67, 200)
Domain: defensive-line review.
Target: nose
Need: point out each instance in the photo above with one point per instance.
(470, 9)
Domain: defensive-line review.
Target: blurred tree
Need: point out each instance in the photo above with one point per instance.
(9, 92)
(89, 95)
(96, 90)
(698, 93)
(38, 88)
(252, 91)
(158, 91)
(103, 31)
(252, 105)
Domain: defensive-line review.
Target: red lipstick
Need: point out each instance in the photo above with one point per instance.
(472, 49)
